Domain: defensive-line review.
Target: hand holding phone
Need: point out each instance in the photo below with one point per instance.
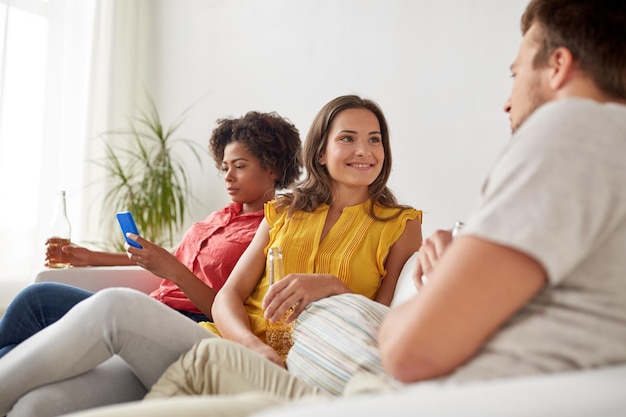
(127, 223)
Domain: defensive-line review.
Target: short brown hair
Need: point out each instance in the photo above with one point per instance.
(593, 30)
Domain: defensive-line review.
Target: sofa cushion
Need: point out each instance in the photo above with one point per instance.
(405, 288)
(334, 338)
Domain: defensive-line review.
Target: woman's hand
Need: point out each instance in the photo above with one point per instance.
(297, 291)
(78, 256)
(154, 258)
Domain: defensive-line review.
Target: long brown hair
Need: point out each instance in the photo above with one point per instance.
(316, 188)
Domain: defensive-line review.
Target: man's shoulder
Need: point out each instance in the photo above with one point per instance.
(574, 122)
(579, 112)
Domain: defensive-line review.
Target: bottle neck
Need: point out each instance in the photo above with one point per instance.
(275, 265)
(60, 225)
(60, 209)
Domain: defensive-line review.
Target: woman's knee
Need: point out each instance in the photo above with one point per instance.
(53, 293)
(120, 302)
(36, 293)
(112, 301)
(35, 300)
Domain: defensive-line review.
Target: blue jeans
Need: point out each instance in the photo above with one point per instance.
(34, 308)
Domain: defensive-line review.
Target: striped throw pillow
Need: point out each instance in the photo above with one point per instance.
(334, 338)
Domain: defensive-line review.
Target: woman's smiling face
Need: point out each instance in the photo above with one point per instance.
(354, 153)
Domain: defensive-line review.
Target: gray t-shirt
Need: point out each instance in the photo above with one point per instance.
(558, 193)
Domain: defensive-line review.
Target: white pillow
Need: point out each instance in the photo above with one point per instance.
(334, 338)
(405, 289)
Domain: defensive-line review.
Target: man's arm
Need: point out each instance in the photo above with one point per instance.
(477, 286)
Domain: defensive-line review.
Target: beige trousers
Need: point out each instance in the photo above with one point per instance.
(219, 378)
(240, 380)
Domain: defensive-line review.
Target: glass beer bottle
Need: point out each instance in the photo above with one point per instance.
(59, 235)
(278, 333)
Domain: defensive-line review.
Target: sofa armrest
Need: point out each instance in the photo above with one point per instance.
(95, 278)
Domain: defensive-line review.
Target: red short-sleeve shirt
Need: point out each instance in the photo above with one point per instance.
(210, 249)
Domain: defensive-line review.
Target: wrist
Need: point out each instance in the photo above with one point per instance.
(91, 258)
(251, 341)
(339, 287)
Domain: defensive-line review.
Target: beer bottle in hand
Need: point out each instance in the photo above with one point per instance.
(278, 333)
(58, 235)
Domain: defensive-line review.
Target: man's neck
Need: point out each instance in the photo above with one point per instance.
(583, 87)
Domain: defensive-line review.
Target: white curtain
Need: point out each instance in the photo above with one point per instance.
(68, 71)
(120, 56)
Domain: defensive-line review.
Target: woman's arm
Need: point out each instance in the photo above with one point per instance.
(409, 242)
(477, 287)
(164, 264)
(80, 256)
(229, 314)
(200, 294)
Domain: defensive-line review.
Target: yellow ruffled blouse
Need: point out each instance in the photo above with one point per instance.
(354, 250)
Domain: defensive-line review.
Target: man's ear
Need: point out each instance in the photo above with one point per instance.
(561, 67)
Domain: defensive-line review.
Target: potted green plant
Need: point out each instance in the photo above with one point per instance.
(147, 177)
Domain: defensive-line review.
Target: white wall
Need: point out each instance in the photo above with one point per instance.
(439, 69)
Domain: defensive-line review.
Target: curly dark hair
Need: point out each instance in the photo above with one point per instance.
(274, 140)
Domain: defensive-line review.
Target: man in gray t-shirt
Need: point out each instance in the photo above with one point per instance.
(560, 198)
(536, 282)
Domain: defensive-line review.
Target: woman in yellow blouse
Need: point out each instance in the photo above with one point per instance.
(341, 229)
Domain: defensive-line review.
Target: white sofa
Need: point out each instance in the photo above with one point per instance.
(590, 393)
(97, 278)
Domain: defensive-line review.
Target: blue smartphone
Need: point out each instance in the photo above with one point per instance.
(127, 223)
